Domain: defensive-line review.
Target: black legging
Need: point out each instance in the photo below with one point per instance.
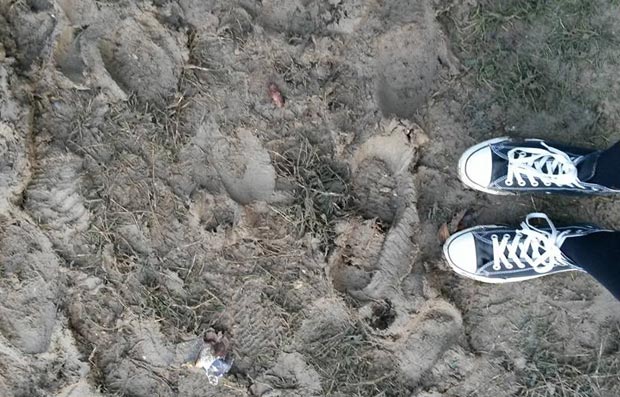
(606, 173)
(599, 255)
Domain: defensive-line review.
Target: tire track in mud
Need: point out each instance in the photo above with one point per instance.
(46, 194)
(33, 281)
(409, 320)
(17, 134)
(413, 317)
(34, 319)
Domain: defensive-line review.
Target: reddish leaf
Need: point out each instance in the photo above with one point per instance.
(443, 233)
(276, 95)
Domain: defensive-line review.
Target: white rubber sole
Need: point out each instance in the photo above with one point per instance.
(484, 279)
(463, 175)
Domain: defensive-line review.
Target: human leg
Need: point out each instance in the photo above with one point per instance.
(607, 170)
(599, 255)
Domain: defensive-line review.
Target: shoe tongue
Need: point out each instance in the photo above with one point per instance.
(484, 253)
(587, 166)
(500, 167)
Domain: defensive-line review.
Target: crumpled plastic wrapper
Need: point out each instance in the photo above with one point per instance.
(213, 357)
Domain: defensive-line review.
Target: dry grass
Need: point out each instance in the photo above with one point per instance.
(321, 189)
(351, 364)
(179, 314)
(550, 372)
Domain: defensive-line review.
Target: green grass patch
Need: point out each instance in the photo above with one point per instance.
(532, 52)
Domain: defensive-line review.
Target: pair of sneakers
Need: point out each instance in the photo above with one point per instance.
(501, 254)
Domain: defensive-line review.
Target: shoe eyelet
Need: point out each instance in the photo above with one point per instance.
(534, 183)
(509, 267)
(522, 183)
(497, 267)
(506, 236)
(508, 183)
(547, 183)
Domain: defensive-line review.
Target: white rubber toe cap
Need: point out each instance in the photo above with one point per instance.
(460, 252)
(479, 167)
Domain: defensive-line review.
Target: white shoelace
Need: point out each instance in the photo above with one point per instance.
(544, 246)
(551, 167)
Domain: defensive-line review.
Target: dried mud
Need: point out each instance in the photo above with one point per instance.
(150, 191)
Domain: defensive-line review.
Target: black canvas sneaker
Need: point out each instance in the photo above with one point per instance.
(511, 166)
(502, 254)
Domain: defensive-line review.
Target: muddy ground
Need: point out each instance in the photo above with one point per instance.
(151, 191)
